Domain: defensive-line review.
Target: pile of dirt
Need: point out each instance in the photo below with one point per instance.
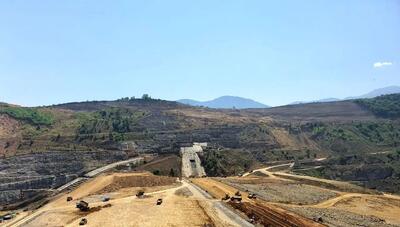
(119, 182)
(185, 192)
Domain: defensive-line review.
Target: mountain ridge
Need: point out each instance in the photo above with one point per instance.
(225, 102)
(372, 94)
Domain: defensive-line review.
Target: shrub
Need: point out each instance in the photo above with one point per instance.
(31, 115)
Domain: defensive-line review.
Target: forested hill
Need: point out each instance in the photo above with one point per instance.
(387, 106)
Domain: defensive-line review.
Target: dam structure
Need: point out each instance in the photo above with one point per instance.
(191, 163)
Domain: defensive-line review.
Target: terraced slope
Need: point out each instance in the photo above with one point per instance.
(350, 134)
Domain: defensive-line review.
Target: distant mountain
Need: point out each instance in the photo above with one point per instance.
(375, 93)
(378, 92)
(320, 100)
(225, 102)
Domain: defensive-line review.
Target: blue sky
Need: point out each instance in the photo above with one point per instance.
(274, 52)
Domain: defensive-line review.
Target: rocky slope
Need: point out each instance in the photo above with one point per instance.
(239, 139)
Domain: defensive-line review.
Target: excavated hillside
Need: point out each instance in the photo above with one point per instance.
(350, 134)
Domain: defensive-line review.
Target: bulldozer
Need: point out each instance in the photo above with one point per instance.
(82, 205)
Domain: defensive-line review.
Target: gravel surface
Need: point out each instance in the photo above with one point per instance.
(285, 192)
(335, 217)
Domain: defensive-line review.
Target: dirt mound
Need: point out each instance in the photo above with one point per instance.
(185, 192)
(120, 182)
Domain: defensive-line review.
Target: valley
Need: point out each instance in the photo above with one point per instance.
(307, 163)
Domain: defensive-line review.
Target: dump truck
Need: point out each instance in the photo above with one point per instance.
(236, 198)
(82, 205)
(83, 221)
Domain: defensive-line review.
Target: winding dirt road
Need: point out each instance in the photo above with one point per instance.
(176, 210)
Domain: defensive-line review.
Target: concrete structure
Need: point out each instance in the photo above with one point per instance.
(202, 145)
(191, 163)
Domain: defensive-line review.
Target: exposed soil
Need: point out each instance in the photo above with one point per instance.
(120, 182)
(263, 213)
(9, 136)
(181, 205)
(183, 192)
(336, 217)
(329, 184)
(163, 164)
(385, 208)
(346, 205)
(274, 190)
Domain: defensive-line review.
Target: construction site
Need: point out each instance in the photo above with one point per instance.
(268, 196)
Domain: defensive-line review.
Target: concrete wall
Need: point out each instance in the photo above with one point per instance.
(191, 163)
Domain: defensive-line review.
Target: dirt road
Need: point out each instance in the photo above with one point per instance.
(113, 165)
(350, 199)
(195, 208)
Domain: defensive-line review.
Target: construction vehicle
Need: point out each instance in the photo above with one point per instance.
(8, 216)
(140, 194)
(236, 198)
(82, 205)
(106, 199)
(159, 201)
(252, 196)
(69, 198)
(318, 219)
(83, 221)
(226, 197)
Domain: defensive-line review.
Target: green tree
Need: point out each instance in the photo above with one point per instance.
(146, 97)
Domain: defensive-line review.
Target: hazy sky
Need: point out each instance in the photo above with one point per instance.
(274, 52)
